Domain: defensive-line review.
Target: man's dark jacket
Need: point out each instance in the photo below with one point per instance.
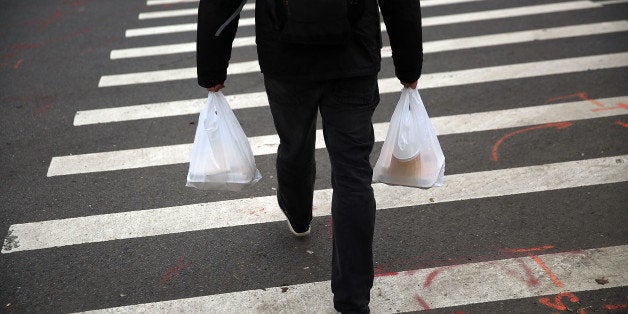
(360, 56)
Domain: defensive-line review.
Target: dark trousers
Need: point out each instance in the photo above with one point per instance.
(346, 107)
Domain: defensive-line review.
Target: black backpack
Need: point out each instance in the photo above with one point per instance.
(317, 22)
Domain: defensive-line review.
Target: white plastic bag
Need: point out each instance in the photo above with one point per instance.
(221, 154)
(411, 154)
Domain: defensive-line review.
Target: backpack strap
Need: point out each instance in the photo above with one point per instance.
(233, 16)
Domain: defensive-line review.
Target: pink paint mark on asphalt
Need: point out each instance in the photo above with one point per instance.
(528, 277)
(174, 271)
(329, 227)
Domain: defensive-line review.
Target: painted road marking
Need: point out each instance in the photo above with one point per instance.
(478, 75)
(267, 144)
(181, 12)
(611, 2)
(228, 213)
(427, 21)
(428, 47)
(171, 49)
(164, 2)
(457, 285)
(503, 72)
(251, 6)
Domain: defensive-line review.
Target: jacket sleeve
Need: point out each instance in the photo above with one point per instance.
(213, 52)
(403, 24)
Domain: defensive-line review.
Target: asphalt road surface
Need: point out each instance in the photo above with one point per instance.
(99, 109)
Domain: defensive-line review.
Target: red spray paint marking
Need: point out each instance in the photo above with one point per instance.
(430, 278)
(621, 124)
(459, 312)
(45, 23)
(423, 261)
(529, 278)
(18, 48)
(389, 274)
(615, 306)
(423, 304)
(174, 271)
(410, 272)
(43, 103)
(557, 125)
(379, 272)
(329, 227)
(257, 212)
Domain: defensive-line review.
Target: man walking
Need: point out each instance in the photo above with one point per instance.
(321, 55)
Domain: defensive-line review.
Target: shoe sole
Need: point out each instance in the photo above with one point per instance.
(299, 234)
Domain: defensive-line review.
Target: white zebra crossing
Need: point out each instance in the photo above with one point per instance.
(453, 78)
(426, 21)
(466, 186)
(264, 145)
(421, 289)
(428, 47)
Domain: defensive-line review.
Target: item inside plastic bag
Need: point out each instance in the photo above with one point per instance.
(411, 154)
(221, 157)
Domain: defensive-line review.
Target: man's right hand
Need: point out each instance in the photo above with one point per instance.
(216, 88)
(410, 85)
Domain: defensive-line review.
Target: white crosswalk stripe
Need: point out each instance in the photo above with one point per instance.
(461, 77)
(264, 145)
(428, 21)
(145, 223)
(455, 285)
(428, 47)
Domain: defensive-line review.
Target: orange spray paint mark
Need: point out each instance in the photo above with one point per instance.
(552, 276)
(17, 64)
(615, 306)
(618, 106)
(557, 125)
(621, 124)
(580, 95)
(532, 249)
(597, 103)
(558, 304)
